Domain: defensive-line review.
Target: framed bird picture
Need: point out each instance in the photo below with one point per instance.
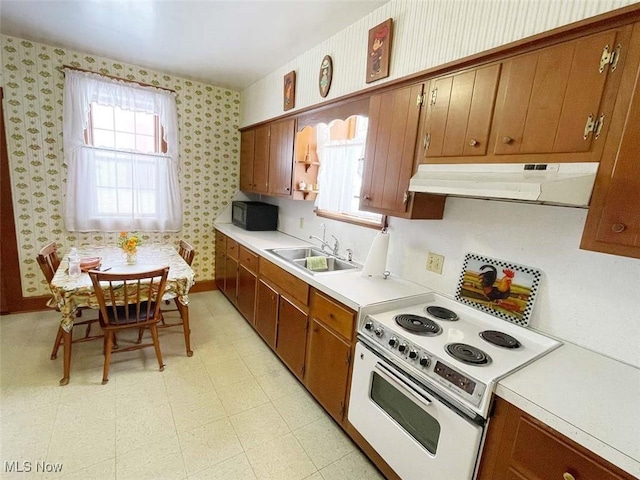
(504, 289)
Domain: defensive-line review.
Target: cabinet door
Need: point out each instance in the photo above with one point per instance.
(220, 269)
(389, 154)
(247, 282)
(292, 336)
(327, 370)
(521, 447)
(220, 259)
(267, 313)
(458, 113)
(281, 157)
(548, 95)
(261, 160)
(231, 278)
(247, 145)
(613, 222)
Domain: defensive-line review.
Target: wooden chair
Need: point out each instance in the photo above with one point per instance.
(49, 262)
(187, 252)
(123, 307)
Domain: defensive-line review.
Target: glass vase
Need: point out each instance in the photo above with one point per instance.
(132, 258)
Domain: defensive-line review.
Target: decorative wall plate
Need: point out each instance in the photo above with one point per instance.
(503, 289)
(325, 75)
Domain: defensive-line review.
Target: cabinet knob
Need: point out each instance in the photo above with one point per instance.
(507, 140)
(367, 197)
(474, 142)
(568, 476)
(618, 227)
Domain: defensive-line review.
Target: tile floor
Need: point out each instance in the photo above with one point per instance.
(232, 411)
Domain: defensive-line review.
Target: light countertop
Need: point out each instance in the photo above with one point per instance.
(350, 288)
(588, 397)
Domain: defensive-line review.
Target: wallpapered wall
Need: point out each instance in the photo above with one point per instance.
(208, 119)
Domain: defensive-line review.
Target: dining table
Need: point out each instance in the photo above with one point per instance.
(71, 292)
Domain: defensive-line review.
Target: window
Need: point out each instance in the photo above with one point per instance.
(340, 148)
(121, 152)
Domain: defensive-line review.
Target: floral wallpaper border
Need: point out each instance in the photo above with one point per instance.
(208, 118)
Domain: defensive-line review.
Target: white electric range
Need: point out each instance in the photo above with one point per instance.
(424, 373)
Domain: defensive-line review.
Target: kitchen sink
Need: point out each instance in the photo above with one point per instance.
(297, 256)
(333, 265)
(297, 253)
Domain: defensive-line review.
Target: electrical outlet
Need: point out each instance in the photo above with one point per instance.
(435, 262)
(301, 222)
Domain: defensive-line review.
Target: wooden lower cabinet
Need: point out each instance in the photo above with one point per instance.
(266, 318)
(291, 341)
(231, 279)
(520, 447)
(247, 282)
(327, 373)
(246, 292)
(220, 256)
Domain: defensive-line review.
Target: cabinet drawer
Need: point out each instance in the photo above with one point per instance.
(248, 259)
(334, 315)
(540, 454)
(296, 288)
(221, 242)
(232, 248)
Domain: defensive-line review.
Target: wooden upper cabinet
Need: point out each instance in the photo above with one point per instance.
(548, 97)
(254, 160)
(458, 114)
(281, 157)
(390, 148)
(613, 222)
(247, 143)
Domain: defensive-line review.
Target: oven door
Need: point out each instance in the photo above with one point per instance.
(418, 435)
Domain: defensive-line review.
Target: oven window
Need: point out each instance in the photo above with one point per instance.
(414, 420)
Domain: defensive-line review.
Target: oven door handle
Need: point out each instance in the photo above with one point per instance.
(418, 396)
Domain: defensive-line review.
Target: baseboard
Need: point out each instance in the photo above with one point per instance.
(29, 304)
(203, 286)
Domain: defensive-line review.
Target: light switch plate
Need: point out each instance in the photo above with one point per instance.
(435, 262)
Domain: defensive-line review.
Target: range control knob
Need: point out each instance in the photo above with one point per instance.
(413, 354)
(425, 361)
(402, 347)
(393, 342)
(378, 331)
(368, 326)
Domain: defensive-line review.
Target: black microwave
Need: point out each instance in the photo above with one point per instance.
(254, 215)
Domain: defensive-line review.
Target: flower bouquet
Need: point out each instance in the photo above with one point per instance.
(129, 245)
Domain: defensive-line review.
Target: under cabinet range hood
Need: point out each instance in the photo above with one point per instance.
(568, 184)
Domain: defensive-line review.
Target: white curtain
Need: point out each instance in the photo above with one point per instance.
(338, 168)
(138, 191)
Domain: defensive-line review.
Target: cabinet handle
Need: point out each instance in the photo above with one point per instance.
(367, 197)
(474, 142)
(507, 140)
(618, 227)
(405, 198)
(568, 476)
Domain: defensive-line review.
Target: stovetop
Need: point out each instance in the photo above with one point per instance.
(425, 356)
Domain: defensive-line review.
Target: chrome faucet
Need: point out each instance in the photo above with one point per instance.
(324, 243)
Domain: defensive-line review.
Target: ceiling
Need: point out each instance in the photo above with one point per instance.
(230, 43)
